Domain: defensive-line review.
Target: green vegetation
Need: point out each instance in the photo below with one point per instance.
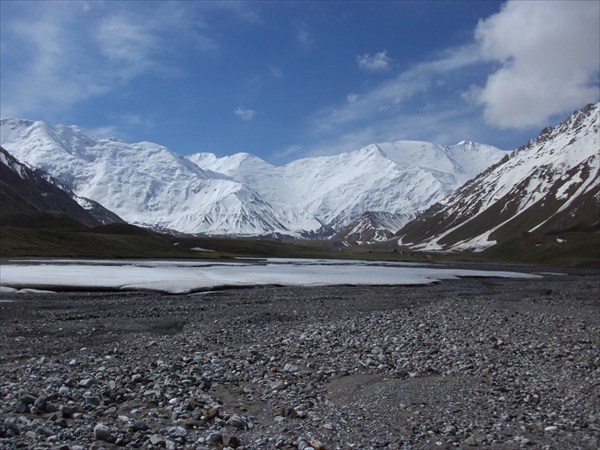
(52, 235)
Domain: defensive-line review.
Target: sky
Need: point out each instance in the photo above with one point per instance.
(286, 80)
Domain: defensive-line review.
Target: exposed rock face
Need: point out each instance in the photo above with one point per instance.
(550, 185)
(25, 191)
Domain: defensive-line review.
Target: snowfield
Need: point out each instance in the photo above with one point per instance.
(183, 277)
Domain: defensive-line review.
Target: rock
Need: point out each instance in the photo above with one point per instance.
(471, 442)
(214, 438)
(290, 368)
(45, 431)
(87, 382)
(67, 411)
(177, 432)
(92, 401)
(12, 427)
(103, 433)
(27, 399)
(40, 403)
(138, 425)
(316, 444)
(156, 439)
(232, 441)
(238, 421)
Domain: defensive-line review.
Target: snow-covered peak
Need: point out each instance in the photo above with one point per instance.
(147, 184)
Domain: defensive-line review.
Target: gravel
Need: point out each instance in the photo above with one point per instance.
(472, 363)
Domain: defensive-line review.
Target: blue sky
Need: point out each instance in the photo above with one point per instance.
(285, 80)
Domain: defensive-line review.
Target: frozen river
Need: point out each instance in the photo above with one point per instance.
(181, 277)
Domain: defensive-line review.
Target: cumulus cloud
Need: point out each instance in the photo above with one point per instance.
(245, 114)
(549, 54)
(378, 62)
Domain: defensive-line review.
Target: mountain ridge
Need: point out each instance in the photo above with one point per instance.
(25, 191)
(549, 185)
(241, 194)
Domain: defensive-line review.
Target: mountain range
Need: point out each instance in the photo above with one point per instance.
(542, 199)
(550, 186)
(146, 184)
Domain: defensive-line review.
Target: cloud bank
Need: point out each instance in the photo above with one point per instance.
(549, 54)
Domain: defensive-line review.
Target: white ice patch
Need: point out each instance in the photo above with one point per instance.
(181, 277)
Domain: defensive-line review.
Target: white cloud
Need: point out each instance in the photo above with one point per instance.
(379, 62)
(245, 114)
(304, 35)
(62, 53)
(48, 69)
(122, 39)
(352, 97)
(550, 58)
(382, 113)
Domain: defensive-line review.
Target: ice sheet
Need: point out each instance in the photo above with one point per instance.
(180, 277)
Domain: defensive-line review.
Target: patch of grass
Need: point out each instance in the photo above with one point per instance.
(47, 235)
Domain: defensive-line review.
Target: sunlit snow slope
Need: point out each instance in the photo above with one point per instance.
(552, 184)
(398, 177)
(147, 184)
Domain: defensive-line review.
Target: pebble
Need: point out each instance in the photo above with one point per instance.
(469, 364)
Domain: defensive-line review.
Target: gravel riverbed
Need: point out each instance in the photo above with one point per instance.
(488, 363)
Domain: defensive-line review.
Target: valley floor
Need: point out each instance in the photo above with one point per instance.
(490, 363)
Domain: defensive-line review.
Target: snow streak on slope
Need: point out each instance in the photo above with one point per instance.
(528, 190)
(371, 226)
(148, 185)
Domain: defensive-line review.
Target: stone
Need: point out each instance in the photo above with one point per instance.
(64, 390)
(177, 432)
(231, 440)
(238, 421)
(316, 444)
(290, 368)
(103, 433)
(45, 431)
(471, 442)
(214, 438)
(87, 382)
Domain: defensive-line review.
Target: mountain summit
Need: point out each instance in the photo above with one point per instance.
(147, 184)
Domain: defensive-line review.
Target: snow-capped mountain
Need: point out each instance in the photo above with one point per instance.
(550, 185)
(370, 227)
(144, 183)
(400, 177)
(147, 184)
(26, 191)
